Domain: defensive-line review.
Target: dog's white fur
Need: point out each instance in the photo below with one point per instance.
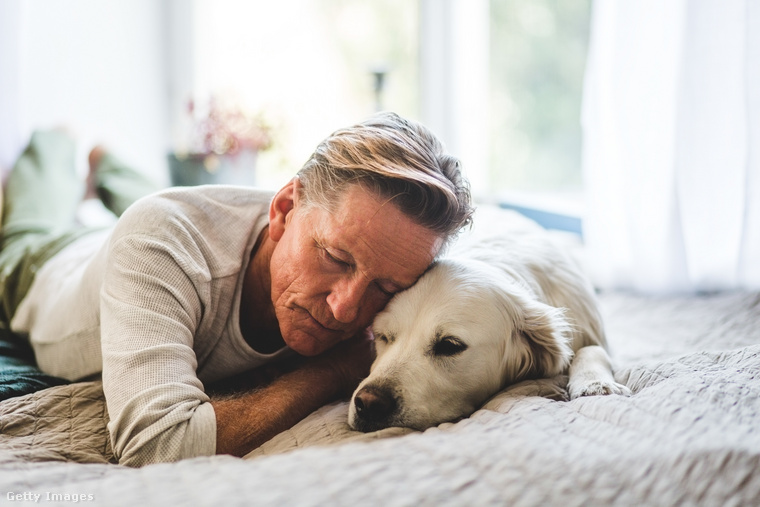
(498, 309)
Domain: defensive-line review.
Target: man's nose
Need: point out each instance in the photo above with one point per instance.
(345, 298)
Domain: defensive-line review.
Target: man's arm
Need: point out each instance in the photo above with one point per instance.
(149, 311)
(245, 421)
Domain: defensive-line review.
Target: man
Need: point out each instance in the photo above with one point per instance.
(194, 285)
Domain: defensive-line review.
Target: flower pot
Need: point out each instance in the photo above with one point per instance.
(199, 169)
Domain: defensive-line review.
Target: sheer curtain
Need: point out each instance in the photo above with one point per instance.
(671, 120)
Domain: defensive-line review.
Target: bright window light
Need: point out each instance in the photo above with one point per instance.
(537, 61)
(312, 66)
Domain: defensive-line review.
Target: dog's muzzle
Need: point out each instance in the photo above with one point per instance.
(374, 408)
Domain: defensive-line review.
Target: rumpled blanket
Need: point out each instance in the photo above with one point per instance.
(689, 435)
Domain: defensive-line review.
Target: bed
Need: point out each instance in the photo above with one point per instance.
(689, 435)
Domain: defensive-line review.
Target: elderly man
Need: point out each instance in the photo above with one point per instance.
(195, 285)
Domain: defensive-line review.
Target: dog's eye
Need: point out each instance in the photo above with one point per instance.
(449, 346)
(381, 338)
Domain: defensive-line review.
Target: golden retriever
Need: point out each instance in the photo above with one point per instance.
(500, 308)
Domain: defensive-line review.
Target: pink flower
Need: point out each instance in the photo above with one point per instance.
(228, 129)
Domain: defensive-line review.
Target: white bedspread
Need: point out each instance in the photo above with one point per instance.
(690, 434)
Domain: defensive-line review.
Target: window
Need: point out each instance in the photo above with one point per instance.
(498, 80)
(311, 66)
(537, 60)
(509, 75)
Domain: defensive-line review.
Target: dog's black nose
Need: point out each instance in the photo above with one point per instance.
(374, 404)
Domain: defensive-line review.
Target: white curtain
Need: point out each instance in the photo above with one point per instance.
(671, 121)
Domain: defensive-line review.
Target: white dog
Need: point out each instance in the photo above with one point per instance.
(497, 310)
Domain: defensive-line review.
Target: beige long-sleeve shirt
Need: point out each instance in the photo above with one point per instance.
(156, 303)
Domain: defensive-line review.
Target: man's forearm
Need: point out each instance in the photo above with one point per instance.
(247, 420)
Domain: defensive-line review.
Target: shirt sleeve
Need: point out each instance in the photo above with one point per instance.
(150, 309)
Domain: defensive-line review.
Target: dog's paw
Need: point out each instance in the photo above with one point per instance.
(596, 388)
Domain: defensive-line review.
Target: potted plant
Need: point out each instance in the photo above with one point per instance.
(224, 142)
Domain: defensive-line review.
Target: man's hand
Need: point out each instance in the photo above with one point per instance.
(247, 420)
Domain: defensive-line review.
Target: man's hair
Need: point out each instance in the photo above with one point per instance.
(396, 159)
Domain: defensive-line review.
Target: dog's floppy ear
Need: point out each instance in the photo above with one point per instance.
(540, 342)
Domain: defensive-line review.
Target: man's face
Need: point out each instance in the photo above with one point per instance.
(332, 273)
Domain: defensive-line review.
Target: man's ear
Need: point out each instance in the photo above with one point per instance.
(281, 208)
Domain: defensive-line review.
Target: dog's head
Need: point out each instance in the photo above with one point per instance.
(451, 341)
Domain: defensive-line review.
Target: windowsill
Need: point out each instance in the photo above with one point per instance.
(552, 210)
